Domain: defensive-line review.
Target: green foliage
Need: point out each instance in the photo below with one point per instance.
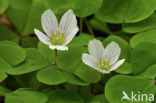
(3, 5)
(7, 34)
(47, 52)
(133, 11)
(149, 72)
(81, 40)
(64, 96)
(117, 84)
(143, 56)
(51, 76)
(124, 68)
(34, 61)
(17, 54)
(99, 99)
(61, 76)
(18, 4)
(4, 66)
(30, 15)
(92, 75)
(99, 25)
(69, 60)
(147, 24)
(143, 37)
(3, 76)
(26, 96)
(78, 6)
(4, 91)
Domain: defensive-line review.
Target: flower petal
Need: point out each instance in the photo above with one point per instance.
(49, 22)
(70, 36)
(112, 52)
(89, 60)
(42, 37)
(117, 64)
(58, 47)
(96, 49)
(68, 22)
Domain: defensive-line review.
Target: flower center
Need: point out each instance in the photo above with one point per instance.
(57, 39)
(104, 65)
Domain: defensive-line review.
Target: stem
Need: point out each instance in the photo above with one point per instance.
(102, 76)
(55, 56)
(81, 25)
(89, 27)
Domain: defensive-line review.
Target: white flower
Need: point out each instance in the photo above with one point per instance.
(57, 36)
(103, 60)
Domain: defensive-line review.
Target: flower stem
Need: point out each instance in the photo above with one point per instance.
(81, 25)
(102, 77)
(55, 56)
(89, 27)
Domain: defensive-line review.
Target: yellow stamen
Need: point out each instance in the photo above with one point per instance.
(57, 39)
(104, 65)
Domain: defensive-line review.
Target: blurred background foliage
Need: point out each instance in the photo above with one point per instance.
(26, 71)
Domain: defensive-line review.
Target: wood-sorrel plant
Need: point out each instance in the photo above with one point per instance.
(82, 51)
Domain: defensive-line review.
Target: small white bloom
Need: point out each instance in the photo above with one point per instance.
(103, 60)
(58, 36)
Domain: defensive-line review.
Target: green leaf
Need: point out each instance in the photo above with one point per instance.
(34, 61)
(69, 60)
(11, 52)
(3, 76)
(128, 11)
(117, 84)
(18, 4)
(3, 5)
(124, 35)
(31, 16)
(87, 73)
(64, 96)
(25, 96)
(7, 34)
(125, 48)
(143, 56)
(99, 25)
(70, 78)
(81, 40)
(86, 95)
(149, 73)
(81, 8)
(147, 36)
(99, 99)
(125, 68)
(51, 76)
(4, 91)
(147, 24)
(47, 52)
(4, 66)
